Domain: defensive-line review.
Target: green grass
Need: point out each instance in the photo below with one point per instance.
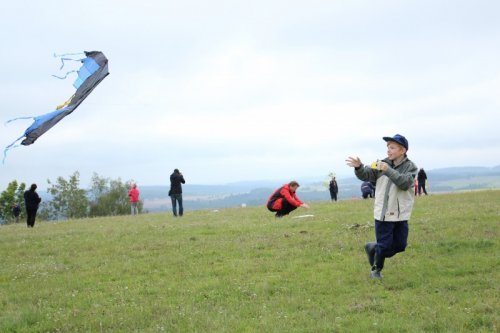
(241, 270)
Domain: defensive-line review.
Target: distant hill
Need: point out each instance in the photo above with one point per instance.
(463, 178)
(254, 193)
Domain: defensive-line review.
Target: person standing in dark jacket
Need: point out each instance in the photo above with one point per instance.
(175, 193)
(334, 189)
(31, 201)
(422, 179)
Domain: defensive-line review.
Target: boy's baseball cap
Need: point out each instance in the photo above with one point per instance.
(398, 138)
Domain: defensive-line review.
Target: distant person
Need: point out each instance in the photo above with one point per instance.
(422, 179)
(367, 190)
(16, 211)
(284, 200)
(175, 193)
(31, 201)
(394, 200)
(334, 189)
(416, 185)
(133, 194)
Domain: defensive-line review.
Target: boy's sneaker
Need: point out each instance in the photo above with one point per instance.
(370, 252)
(375, 274)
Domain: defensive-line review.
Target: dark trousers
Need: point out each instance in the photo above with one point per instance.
(333, 195)
(286, 208)
(177, 198)
(392, 238)
(31, 215)
(367, 194)
(421, 186)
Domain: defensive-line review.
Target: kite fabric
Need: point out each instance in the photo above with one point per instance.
(90, 74)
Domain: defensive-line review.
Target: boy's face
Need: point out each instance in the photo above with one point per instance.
(395, 151)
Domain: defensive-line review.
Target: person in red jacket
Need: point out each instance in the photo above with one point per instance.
(284, 200)
(134, 199)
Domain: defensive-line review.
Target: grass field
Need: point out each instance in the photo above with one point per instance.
(241, 270)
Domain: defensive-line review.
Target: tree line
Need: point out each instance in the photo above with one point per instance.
(105, 197)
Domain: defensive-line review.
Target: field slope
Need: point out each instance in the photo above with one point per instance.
(241, 270)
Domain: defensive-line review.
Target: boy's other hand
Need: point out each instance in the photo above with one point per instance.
(382, 166)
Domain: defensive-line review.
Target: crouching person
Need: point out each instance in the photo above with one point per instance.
(284, 200)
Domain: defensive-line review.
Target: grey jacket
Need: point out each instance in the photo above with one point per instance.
(394, 192)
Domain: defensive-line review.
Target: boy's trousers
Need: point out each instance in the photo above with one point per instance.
(392, 237)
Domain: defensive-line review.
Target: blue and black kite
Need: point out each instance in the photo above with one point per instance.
(93, 70)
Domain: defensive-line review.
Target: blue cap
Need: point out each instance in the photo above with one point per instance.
(398, 138)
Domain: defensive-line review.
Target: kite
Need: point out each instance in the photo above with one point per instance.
(93, 70)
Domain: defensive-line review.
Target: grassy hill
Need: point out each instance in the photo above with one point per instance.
(241, 270)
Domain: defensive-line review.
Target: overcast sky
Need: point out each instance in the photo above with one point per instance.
(250, 90)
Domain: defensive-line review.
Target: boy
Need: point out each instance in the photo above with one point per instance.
(394, 199)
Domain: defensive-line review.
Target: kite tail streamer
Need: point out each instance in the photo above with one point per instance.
(65, 76)
(13, 144)
(11, 120)
(9, 147)
(67, 59)
(67, 54)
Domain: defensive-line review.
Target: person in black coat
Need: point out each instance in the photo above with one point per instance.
(422, 179)
(175, 193)
(334, 189)
(31, 201)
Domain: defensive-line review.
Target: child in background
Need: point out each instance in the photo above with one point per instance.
(16, 211)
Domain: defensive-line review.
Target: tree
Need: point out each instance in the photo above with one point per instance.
(110, 197)
(13, 194)
(68, 200)
(106, 197)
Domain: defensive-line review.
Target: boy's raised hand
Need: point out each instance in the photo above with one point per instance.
(353, 162)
